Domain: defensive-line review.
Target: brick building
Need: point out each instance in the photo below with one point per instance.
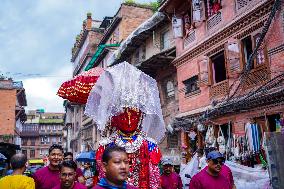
(116, 30)
(12, 115)
(82, 52)
(40, 131)
(214, 43)
(12, 112)
(82, 134)
(154, 57)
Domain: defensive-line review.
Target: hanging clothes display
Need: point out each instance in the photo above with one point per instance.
(210, 139)
(252, 134)
(221, 141)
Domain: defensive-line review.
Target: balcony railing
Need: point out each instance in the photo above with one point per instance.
(190, 38)
(256, 77)
(219, 89)
(214, 20)
(244, 5)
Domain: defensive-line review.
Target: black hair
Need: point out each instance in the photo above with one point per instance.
(68, 154)
(210, 149)
(107, 153)
(18, 161)
(201, 151)
(70, 164)
(55, 146)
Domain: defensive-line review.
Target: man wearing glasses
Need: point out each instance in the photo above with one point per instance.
(210, 177)
(68, 176)
(68, 156)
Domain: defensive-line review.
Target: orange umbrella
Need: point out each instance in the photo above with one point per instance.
(77, 90)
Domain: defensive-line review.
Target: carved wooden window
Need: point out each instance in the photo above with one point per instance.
(203, 71)
(170, 89)
(165, 40)
(218, 67)
(173, 140)
(248, 44)
(233, 56)
(261, 54)
(247, 49)
(191, 84)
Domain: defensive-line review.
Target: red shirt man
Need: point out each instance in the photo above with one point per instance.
(48, 177)
(170, 179)
(211, 177)
(68, 176)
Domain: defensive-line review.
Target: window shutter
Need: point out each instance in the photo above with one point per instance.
(261, 53)
(198, 10)
(233, 57)
(203, 71)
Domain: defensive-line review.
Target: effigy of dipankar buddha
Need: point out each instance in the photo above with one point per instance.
(127, 100)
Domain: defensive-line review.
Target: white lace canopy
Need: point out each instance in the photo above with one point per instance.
(123, 85)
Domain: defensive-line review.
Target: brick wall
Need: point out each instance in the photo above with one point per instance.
(7, 111)
(132, 17)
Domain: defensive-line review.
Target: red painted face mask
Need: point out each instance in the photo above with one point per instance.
(127, 121)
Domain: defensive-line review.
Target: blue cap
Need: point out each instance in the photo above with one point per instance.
(214, 155)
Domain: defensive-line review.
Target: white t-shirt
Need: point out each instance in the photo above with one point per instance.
(202, 162)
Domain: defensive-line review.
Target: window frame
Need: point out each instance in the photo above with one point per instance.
(162, 41)
(192, 80)
(211, 75)
(32, 155)
(166, 89)
(264, 45)
(173, 144)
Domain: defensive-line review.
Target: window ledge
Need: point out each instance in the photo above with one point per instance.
(194, 93)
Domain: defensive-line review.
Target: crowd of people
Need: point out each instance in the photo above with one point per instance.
(62, 172)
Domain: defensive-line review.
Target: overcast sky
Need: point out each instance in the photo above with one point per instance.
(36, 37)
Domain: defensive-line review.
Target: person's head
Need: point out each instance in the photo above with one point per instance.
(55, 155)
(215, 160)
(127, 121)
(18, 162)
(68, 156)
(67, 173)
(167, 166)
(115, 164)
(200, 153)
(87, 165)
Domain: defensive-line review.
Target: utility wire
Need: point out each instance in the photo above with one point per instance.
(264, 31)
(248, 67)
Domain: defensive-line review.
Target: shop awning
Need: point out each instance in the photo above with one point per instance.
(36, 161)
(97, 54)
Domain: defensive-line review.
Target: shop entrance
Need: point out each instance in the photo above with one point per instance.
(272, 122)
